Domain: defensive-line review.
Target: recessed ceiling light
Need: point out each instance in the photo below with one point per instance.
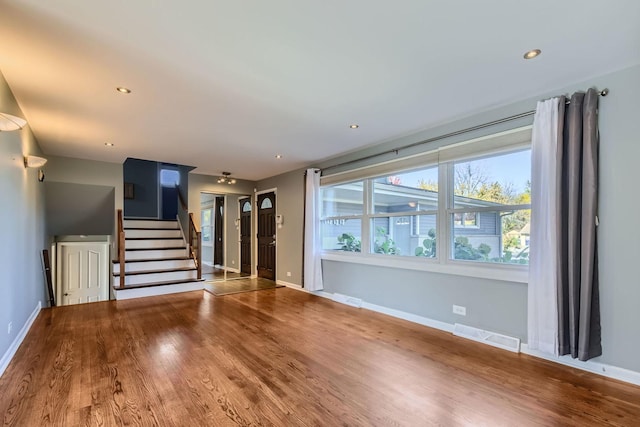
(354, 126)
(532, 54)
(122, 89)
(278, 156)
(109, 144)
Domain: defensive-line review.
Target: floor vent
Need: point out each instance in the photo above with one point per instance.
(492, 338)
(345, 299)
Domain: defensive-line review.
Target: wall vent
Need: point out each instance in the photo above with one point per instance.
(492, 338)
(345, 299)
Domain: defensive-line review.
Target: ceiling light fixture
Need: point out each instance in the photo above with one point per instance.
(123, 89)
(9, 122)
(354, 126)
(109, 144)
(226, 178)
(532, 54)
(278, 156)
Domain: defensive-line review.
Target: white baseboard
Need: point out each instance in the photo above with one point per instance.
(603, 369)
(122, 294)
(609, 371)
(290, 285)
(11, 351)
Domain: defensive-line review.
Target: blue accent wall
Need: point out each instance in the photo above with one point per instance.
(143, 174)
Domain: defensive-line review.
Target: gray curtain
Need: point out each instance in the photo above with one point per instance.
(578, 293)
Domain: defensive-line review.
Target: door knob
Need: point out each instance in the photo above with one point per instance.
(66, 294)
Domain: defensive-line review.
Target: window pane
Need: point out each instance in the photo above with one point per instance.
(206, 217)
(341, 234)
(343, 199)
(266, 203)
(501, 236)
(412, 235)
(206, 234)
(169, 177)
(407, 191)
(498, 180)
(246, 207)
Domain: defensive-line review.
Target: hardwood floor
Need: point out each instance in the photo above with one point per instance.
(284, 358)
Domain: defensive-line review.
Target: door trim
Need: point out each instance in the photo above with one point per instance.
(273, 190)
(240, 202)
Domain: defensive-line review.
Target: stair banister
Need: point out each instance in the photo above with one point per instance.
(195, 239)
(121, 243)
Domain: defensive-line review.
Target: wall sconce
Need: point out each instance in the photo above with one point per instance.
(34, 161)
(9, 122)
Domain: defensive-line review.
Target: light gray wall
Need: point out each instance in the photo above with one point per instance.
(22, 226)
(89, 172)
(496, 305)
(290, 204)
(79, 209)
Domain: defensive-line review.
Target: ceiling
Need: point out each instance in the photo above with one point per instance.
(227, 85)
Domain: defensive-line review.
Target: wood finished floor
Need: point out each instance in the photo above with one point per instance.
(283, 358)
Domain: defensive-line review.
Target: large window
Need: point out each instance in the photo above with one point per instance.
(471, 207)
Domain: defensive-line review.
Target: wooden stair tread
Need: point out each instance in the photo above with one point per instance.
(151, 284)
(149, 219)
(151, 228)
(167, 248)
(153, 238)
(164, 270)
(182, 258)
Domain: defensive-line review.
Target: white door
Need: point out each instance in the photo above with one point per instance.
(83, 272)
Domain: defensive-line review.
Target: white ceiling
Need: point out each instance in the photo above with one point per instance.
(226, 85)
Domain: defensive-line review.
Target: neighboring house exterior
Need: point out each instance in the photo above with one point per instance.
(407, 231)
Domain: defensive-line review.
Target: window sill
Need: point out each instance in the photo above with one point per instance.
(509, 273)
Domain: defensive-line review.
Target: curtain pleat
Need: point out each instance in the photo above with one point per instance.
(312, 240)
(578, 290)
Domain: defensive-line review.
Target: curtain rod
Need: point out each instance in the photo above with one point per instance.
(603, 92)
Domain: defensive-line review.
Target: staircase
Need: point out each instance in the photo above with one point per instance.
(157, 261)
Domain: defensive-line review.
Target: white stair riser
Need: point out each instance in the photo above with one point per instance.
(161, 243)
(140, 279)
(154, 265)
(152, 233)
(121, 294)
(141, 223)
(153, 254)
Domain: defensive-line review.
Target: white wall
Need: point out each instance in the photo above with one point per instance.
(22, 227)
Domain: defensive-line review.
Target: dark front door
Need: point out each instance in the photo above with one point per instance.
(267, 236)
(218, 245)
(245, 236)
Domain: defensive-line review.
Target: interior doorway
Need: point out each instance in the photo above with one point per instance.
(226, 236)
(266, 214)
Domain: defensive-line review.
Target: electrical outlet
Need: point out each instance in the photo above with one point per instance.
(288, 274)
(9, 327)
(233, 261)
(458, 309)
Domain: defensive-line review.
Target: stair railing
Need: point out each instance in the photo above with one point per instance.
(195, 235)
(195, 239)
(121, 243)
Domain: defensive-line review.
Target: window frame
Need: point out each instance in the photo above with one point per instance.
(445, 229)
